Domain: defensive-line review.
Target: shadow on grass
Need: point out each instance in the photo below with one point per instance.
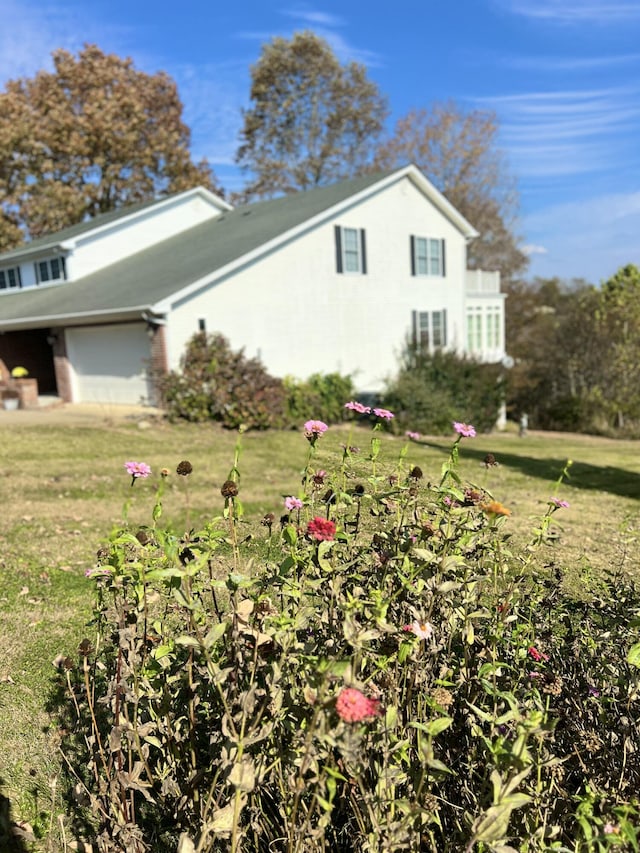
(582, 475)
(12, 835)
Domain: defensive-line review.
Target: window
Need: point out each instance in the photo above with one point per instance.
(53, 269)
(429, 329)
(493, 327)
(427, 256)
(474, 329)
(351, 251)
(10, 278)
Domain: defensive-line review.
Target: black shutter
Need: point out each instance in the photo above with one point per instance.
(363, 247)
(412, 240)
(444, 266)
(414, 330)
(444, 320)
(338, 233)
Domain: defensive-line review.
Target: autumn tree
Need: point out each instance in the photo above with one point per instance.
(458, 151)
(312, 121)
(88, 137)
(618, 318)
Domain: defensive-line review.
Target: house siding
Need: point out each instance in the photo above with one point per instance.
(294, 310)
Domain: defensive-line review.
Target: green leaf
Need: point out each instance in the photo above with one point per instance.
(438, 725)
(186, 640)
(436, 764)
(323, 550)
(633, 656)
(214, 634)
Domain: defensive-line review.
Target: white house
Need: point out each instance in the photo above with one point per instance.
(333, 279)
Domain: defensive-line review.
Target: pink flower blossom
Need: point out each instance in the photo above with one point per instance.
(315, 428)
(611, 829)
(321, 529)
(292, 503)
(422, 630)
(465, 430)
(537, 655)
(558, 503)
(352, 706)
(383, 413)
(138, 470)
(412, 436)
(360, 408)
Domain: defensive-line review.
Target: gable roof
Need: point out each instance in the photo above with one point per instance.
(96, 223)
(158, 276)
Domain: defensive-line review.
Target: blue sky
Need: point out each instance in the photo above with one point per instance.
(563, 77)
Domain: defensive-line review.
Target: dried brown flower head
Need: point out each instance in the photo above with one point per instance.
(229, 489)
(268, 520)
(416, 473)
(184, 468)
(490, 460)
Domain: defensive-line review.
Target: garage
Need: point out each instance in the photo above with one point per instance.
(110, 363)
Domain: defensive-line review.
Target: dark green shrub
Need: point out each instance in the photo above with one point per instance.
(433, 390)
(217, 384)
(320, 396)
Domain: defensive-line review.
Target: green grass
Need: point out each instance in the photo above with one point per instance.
(63, 489)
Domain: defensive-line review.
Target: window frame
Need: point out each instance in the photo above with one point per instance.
(6, 273)
(424, 334)
(357, 251)
(428, 257)
(48, 263)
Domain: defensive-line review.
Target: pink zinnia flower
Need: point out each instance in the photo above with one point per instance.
(412, 436)
(137, 469)
(321, 529)
(383, 413)
(360, 408)
(352, 706)
(465, 430)
(537, 655)
(315, 428)
(558, 503)
(422, 630)
(292, 503)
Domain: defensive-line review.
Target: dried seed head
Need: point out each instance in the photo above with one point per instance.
(416, 473)
(229, 489)
(184, 468)
(490, 460)
(268, 519)
(143, 537)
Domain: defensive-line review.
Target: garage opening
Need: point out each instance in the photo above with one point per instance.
(32, 350)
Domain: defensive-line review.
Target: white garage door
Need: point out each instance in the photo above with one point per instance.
(110, 363)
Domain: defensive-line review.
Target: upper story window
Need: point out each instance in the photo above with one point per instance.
(51, 269)
(427, 256)
(10, 278)
(351, 250)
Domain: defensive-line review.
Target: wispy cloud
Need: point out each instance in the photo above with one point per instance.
(566, 132)
(553, 64)
(533, 249)
(575, 11)
(325, 25)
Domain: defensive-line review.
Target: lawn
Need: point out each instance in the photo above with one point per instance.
(65, 487)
